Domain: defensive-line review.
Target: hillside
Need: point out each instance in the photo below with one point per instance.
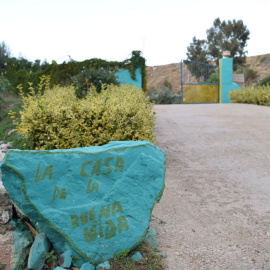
(157, 75)
(260, 63)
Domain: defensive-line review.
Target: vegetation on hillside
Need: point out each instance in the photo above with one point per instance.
(164, 94)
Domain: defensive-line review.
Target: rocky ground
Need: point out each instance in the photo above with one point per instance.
(6, 228)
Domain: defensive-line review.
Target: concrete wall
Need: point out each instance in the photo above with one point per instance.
(239, 79)
(226, 79)
(125, 78)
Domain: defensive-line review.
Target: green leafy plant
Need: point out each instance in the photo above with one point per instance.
(250, 76)
(6, 123)
(213, 78)
(50, 256)
(21, 71)
(57, 119)
(265, 81)
(240, 69)
(93, 78)
(4, 85)
(252, 95)
(137, 61)
(167, 84)
(162, 96)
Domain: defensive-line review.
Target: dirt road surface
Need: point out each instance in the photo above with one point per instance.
(215, 211)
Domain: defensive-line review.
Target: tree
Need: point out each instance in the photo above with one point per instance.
(197, 51)
(251, 76)
(44, 64)
(222, 36)
(5, 54)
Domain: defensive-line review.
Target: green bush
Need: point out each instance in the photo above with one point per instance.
(167, 84)
(162, 96)
(250, 76)
(213, 78)
(4, 85)
(93, 77)
(265, 81)
(1, 107)
(252, 95)
(59, 120)
(22, 71)
(6, 123)
(239, 69)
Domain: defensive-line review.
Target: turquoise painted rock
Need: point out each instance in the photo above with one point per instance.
(23, 242)
(136, 257)
(103, 266)
(96, 201)
(36, 259)
(66, 259)
(87, 266)
(151, 238)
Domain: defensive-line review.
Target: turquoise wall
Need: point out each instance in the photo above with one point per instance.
(125, 78)
(226, 76)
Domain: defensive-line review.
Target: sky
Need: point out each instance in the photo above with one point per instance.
(111, 29)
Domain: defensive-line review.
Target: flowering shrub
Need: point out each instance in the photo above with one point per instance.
(252, 95)
(59, 120)
(93, 77)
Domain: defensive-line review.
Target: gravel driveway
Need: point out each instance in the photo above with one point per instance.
(215, 211)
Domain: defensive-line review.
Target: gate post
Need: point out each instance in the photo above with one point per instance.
(182, 92)
(226, 76)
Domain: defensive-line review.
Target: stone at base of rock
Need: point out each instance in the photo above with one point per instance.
(23, 241)
(151, 238)
(87, 266)
(66, 259)
(137, 256)
(103, 266)
(36, 259)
